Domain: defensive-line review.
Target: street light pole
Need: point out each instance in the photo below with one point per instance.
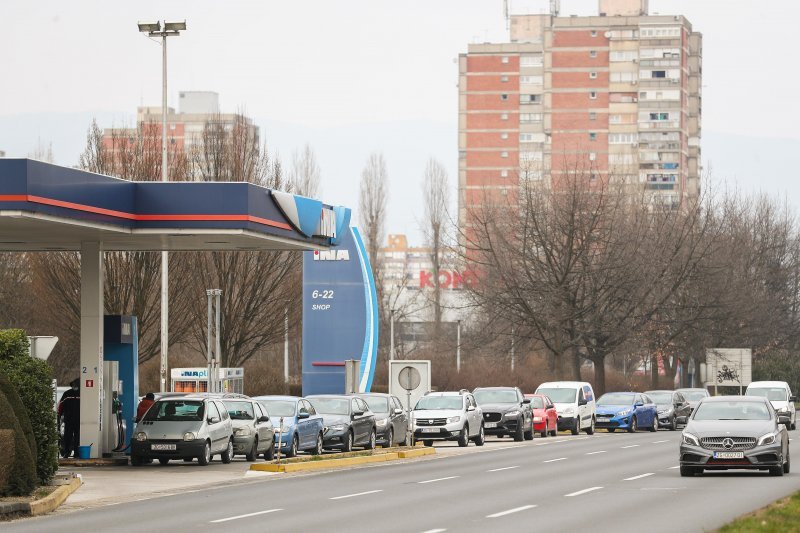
(170, 29)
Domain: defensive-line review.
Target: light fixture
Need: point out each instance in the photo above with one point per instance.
(146, 27)
(174, 26)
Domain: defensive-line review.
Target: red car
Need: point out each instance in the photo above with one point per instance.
(545, 417)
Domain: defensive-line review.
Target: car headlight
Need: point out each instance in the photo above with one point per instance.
(336, 427)
(537, 418)
(381, 423)
(141, 436)
(453, 419)
(569, 411)
(512, 414)
(624, 412)
(663, 411)
(189, 436)
(690, 439)
(769, 438)
(784, 409)
(241, 432)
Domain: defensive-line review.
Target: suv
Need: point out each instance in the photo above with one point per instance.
(448, 416)
(185, 428)
(505, 412)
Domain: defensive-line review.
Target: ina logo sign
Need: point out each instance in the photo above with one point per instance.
(332, 255)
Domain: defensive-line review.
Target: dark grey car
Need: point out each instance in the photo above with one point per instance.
(252, 429)
(347, 421)
(391, 422)
(673, 408)
(693, 396)
(506, 411)
(734, 432)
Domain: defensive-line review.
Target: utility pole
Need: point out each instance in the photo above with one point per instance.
(458, 346)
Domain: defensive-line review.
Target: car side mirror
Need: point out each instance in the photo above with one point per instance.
(792, 398)
(526, 401)
(398, 411)
(263, 419)
(358, 413)
(302, 416)
(213, 420)
(638, 404)
(785, 419)
(583, 401)
(470, 408)
(550, 406)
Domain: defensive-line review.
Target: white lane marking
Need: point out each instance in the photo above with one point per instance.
(437, 479)
(631, 446)
(244, 516)
(356, 494)
(674, 467)
(501, 469)
(434, 531)
(510, 511)
(659, 441)
(638, 477)
(593, 453)
(584, 491)
(554, 460)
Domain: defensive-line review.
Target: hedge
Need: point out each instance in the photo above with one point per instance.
(21, 471)
(33, 380)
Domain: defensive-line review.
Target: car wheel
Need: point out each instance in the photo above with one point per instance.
(348, 444)
(389, 439)
(786, 465)
(576, 427)
(163, 460)
(463, 437)
(793, 426)
(406, 440)
(293, 448)
(269, 453)
(546, 430)
(204, 459)
(590, 429)
(318, 446)
(499, 435)
(632, 426)
(673, 423)
(554, 431)
(654, 427)
(611, 430)
(519, 434)
(252, 455)
(776, 471)
(481, 438)
(688, 471)
(428, 443)
(371, 442)
(137, 460)
(227, 455)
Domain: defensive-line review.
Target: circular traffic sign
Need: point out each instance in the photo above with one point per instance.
(409, 378)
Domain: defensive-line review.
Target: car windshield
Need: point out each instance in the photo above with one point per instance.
(661, 398)
(537, 403)
(377, 404)
(439, 402)
(615, 398)
(559, 395)
(239, 410)
(773, 394)
(488, 396)
(733, 410)
(175, 411)
(331, 406)
(279, 407)
(694, 395)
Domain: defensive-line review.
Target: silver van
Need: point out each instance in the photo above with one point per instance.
(185, 428)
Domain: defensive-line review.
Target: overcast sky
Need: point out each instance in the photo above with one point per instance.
(377, 71)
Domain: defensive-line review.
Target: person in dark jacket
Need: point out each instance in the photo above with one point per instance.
(69, 408)
(146, 403)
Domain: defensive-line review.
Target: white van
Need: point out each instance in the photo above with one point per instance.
(779, 395)
(575, 404)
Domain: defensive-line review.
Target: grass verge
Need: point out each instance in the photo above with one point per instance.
(783, 516)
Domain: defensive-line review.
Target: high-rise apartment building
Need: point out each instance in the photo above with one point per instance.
(615, 97)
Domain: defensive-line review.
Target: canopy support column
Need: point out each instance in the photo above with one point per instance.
(91, 367)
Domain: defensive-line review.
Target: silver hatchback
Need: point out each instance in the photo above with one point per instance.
(252, 429)
(185, 428)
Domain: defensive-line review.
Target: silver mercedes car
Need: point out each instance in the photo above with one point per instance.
(734, 432)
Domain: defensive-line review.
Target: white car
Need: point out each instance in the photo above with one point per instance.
(575, 404)
(779, 395)
(448, 416)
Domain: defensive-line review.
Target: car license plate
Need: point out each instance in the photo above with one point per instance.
(163, 447)
(489, 425)
(728, 455)
(430, 430)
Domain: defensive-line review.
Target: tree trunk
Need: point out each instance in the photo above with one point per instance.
(654, 370)
(599, 384)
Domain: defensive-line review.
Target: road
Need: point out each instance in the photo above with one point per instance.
(606, 482)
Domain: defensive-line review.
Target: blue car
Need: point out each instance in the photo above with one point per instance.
(302, 426)
(626, 410)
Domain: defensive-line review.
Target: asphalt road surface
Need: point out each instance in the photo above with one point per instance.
(606, 482)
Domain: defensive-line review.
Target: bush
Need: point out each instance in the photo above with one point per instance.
(20, 467)
(33, 381)
(19, 410)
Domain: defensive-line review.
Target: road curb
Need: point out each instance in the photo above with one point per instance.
(328, 464)
(48, 504)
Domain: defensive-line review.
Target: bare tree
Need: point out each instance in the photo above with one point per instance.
(43, 151)
(436, 196)
(305, 173)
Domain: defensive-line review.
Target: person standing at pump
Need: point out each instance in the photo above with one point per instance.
(146, 403)
(70, 409)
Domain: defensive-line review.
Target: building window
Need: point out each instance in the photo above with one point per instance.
(530, 98)
(592, 116)
(592, 156)
(504, 97)
(592, 136)
(530, 117)
(592, 53)
(503, 79)
(594, 33)
(593, 75)
(504, 59)
(531, 60)
(658, 74)
(593, 95)
(504, 116)
(593, 177)
(504, 135)
(504, 173)
(503, 154)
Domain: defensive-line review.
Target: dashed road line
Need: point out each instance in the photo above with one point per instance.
(510, 511)
(244, 516)
(437, 479)
(639, 476)
(584, 491)
(356, 494)
(554, 460)
(659, 441)
(595, 453)
(434, 531)
(501, 469)
(674, 467)
(630, 446)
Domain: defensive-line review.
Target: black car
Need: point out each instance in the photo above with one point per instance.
(673, 408)
(347, 421)
(505, 412)
(734, 432)
(391, 421)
